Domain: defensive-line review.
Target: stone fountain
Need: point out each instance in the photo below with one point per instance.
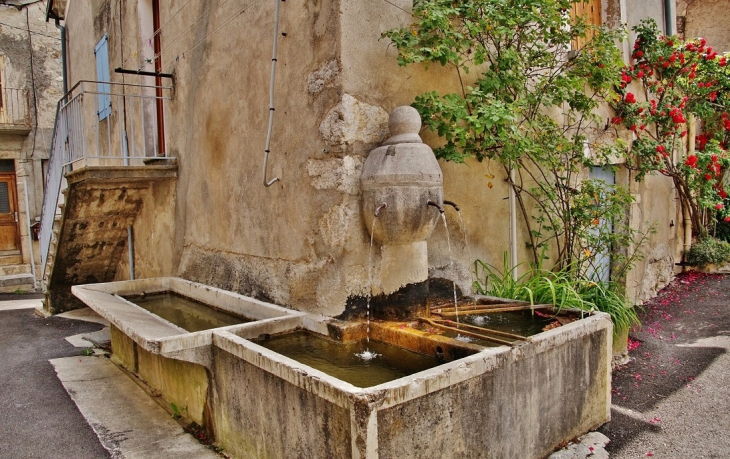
(515, 399)
(398, 180)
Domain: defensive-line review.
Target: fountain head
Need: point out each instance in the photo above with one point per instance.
(438, 206)
(403, 173)
(452, 204)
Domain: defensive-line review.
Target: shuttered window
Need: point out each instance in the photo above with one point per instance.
(101, 51)
(590, 10)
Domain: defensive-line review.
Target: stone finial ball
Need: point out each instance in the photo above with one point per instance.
(404, 120)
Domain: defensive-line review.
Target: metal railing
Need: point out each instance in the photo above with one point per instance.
(14, 106)
(116, 126)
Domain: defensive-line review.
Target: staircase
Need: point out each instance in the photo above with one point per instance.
(14, 275)
(84, 226)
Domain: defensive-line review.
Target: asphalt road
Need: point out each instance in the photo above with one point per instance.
(37, 417)
(673, 399)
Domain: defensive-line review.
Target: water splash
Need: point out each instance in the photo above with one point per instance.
(367, 355)
(479, 320)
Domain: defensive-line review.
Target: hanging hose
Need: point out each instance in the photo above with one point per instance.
(268, 183)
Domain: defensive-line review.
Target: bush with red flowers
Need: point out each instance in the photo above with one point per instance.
(679, 81)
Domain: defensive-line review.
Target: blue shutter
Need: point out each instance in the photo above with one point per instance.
(104, 100)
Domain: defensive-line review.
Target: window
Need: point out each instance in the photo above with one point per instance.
(590, 11)
(101, 50)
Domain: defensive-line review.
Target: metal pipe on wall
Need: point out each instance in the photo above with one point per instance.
(30, 235)
(267, 150)
(512, 225)
(669, 17)
(130, 251)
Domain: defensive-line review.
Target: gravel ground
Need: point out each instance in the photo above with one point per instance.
(672, 400)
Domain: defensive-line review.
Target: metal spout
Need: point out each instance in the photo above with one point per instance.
(431, 203)
(452, 204)
(379, 208)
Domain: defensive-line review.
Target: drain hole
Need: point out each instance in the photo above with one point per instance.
(439, 353)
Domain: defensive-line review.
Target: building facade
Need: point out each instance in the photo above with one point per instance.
(30, 87)
(204, 70)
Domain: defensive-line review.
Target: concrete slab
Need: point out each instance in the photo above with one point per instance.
(20, 304)
(85, 340)
(84, 314)
(128, 422)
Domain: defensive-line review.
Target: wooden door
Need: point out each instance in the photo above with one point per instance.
(9, 234)
(590, 10)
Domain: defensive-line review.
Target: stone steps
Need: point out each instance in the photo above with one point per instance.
(11, 270)
(10, 258)
(16, 282)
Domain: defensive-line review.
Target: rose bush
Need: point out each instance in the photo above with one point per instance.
(681, 82)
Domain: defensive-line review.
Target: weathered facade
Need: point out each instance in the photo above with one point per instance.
(699, 18)
(300, 242)
(30, 87)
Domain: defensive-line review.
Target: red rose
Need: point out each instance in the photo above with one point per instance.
(630, 98)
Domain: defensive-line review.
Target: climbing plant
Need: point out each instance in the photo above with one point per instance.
(529, 102)
(671, 83)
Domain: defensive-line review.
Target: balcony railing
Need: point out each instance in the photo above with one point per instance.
(99, 124)
(14, 107)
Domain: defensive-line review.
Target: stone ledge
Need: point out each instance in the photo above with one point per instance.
(107, 174)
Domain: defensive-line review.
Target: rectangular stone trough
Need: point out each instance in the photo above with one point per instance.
(517, 401)
(170, 360)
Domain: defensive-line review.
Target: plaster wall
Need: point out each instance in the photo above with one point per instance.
(703, 18)
(302, 242)
(647, 9)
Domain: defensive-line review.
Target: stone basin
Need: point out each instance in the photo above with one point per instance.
(510, 401)
(172, 362)
(517, 401)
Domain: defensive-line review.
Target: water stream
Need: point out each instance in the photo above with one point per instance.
(367, 354)
(463, 338)
(467, 249)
